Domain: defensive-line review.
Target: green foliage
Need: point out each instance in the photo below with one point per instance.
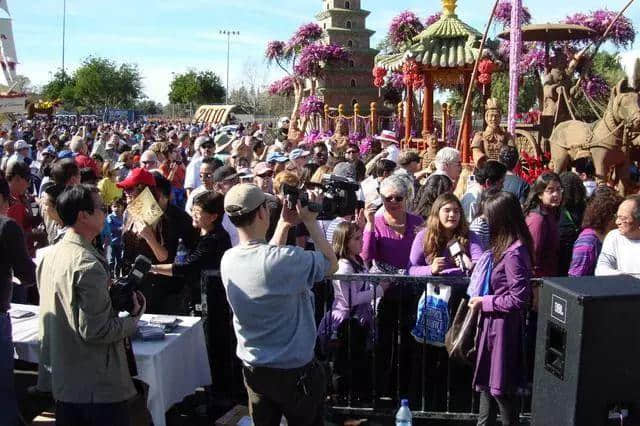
(530, 90)
(97, 84)
(149, 107)
(204, 87)
(608, 66)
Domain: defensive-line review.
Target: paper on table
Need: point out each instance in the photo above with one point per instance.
(145, 208)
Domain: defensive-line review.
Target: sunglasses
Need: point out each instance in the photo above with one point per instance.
(206, 175)
(394, 199)
(266, 174)
(148, 162)
(352, 152)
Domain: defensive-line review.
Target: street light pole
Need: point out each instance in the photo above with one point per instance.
(64, 30)
(228, 34)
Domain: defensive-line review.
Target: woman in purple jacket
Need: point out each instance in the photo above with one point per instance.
(499, 368)
(431, 249)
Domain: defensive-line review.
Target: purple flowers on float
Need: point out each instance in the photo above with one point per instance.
(315, 57)
(622, 33)
(596, 87)
(275, 49)
(311, 105)
(282, 87)
(503, 14)
(404, 27)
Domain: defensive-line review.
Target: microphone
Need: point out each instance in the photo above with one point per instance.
(455, 249)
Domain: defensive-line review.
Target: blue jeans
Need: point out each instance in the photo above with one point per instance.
(8, 400)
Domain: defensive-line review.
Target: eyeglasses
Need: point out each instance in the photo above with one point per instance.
(623, 219)
(394, 198)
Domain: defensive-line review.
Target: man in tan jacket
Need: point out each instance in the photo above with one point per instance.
(82, 356)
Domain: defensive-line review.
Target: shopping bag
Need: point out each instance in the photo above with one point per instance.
(432, 321)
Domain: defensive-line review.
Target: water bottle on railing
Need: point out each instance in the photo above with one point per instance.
(181, 253)
(403, 415)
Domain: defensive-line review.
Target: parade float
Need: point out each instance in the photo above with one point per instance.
(13, 100)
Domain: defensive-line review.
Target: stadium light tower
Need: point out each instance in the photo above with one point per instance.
(228, 33)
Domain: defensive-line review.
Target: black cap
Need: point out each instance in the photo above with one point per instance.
(225, 173)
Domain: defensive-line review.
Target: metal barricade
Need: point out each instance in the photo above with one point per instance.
(401, 367)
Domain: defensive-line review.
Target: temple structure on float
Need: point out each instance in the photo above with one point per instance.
(344, 23)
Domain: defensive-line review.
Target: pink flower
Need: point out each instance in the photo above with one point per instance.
(596, 87)
(275, 49)
(311, 105)
(503, 14)
(315, 57)
(433, 19)
(304, 36)
(404, 27)
(622, 33)
(282, 87)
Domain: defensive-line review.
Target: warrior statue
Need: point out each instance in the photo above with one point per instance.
(429, 154)
(486, 145)
(340, 138)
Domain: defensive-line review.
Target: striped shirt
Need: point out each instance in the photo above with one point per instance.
(585, 254)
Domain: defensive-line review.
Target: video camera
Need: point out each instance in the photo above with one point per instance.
(122, 290)
(339, 197)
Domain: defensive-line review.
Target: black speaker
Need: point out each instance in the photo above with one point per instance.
(587, 363)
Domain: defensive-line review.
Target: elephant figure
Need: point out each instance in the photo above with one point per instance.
(606, 141)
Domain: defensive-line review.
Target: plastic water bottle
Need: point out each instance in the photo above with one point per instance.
(403, 415)
(181, 253)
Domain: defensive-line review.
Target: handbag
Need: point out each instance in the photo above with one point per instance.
(460, 340)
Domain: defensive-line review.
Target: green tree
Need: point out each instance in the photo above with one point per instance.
(101, 83)
(149, 107)
(204, 87)
(61, 86)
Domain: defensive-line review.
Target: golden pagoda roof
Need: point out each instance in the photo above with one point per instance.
(447, 43)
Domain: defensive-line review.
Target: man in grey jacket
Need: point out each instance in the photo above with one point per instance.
(82, 355)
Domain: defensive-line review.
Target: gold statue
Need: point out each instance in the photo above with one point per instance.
(486, 145)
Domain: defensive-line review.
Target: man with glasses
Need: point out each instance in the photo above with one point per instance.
(320, 153)
(208, 167)
(149, 160)
(352, 155)
(621, 247)
(79, 328)
(204, 147)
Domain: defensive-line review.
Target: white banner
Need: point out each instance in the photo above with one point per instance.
(12, 105)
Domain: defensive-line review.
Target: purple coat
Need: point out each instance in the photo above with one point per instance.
(418, 265)
(499, 363)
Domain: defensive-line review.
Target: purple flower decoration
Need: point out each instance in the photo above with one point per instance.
(282, 87)
(596, 87)
(304, 36)
(315, 57)
(275, 49)
(404, 27)
(397, 80)
(311, 105)
(503, 14)
(622, 33)
(433, 19)
(365, 145)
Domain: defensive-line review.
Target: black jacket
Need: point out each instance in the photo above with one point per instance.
(14, 260)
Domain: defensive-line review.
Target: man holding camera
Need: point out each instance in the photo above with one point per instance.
(269, 290)
(82, 354)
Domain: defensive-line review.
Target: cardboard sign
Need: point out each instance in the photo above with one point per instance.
(145, 208)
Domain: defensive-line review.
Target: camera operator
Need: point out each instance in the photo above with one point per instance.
(269, 289)
(82, 354)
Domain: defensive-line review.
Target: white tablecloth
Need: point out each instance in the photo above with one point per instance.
(173, 368)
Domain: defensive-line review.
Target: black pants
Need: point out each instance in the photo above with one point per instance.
(298, 394)
(71, 414)
(489, 406)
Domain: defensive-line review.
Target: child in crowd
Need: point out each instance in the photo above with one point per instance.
(353, 302)
(114, 220)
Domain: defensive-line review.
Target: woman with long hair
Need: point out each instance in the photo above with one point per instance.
(574, 202)
(499, 369)
(542, 211)
(432, 247)
(435, 186)
(598, 220)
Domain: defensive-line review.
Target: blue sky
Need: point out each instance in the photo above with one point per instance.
(165, 36)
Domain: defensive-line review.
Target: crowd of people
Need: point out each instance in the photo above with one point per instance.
(64, 201)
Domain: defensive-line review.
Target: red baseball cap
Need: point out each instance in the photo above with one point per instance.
(137, 177)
